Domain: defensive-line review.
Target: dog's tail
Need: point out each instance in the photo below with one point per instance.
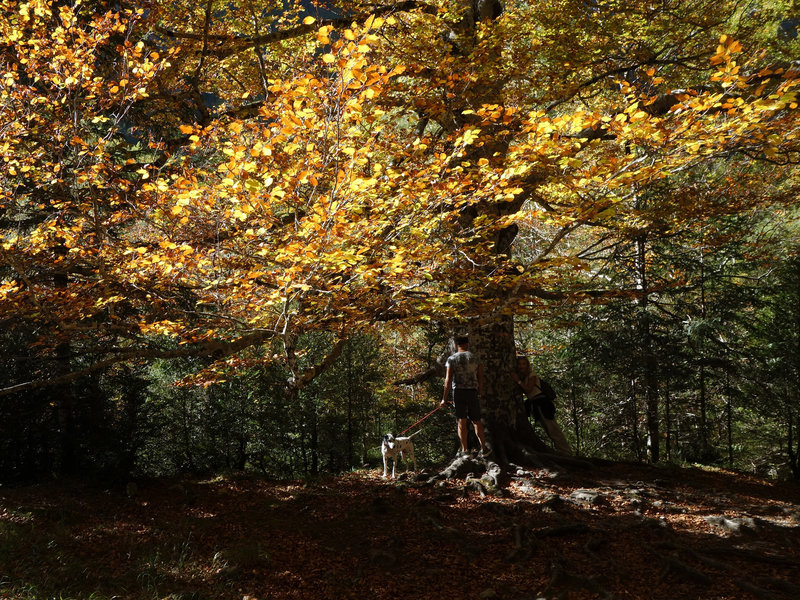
(415, 433)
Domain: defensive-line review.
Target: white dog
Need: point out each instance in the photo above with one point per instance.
(392, 446)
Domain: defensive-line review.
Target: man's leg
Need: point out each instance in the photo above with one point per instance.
(479, 432)
(474, 415)
(463, 434)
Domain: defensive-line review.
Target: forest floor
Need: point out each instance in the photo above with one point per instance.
(615, 531)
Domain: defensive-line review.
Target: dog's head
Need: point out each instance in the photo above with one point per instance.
(388, 439)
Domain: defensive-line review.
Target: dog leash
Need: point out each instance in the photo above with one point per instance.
(421, 420)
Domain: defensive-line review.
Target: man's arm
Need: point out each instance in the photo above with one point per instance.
(448, 381)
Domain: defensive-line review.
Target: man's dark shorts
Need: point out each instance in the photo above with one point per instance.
(466, 404)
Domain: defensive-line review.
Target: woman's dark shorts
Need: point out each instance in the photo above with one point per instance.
(466, 404)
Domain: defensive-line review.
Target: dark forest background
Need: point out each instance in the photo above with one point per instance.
(724, 350)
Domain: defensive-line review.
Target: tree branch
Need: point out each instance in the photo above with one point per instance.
(216, 350)
(241, 44)
(619, 71)
(308, 375)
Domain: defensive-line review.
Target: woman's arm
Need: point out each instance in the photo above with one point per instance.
(529, 384)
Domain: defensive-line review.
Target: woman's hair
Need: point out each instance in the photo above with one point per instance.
(461, 340)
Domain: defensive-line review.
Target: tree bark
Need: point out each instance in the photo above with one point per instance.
(66, 417)
(509, 432)
(793, 445)
(668, 423)
(648, 354)
(701, 348)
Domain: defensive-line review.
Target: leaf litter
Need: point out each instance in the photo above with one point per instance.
(618, 531)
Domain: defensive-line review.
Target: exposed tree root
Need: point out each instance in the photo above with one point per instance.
(750, 555)
(460, 468)
(562, 579)
(754, 589)
(687, 564)
(475, 485)
(568, 529)
(672, 566)
(791, 589)
(499, 469)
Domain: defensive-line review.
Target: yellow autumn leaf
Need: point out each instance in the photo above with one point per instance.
(328, 58)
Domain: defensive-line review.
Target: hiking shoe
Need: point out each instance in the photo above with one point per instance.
(485, 453)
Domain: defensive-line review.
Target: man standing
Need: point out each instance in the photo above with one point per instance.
(465, 378)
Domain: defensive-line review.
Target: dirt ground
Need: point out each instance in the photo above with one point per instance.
(615, 531)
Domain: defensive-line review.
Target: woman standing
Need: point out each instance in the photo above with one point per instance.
(539, 405)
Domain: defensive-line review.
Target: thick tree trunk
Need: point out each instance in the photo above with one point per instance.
(793, 446)
(65, 405)
(633, 409)
(648, 354)
(509, 433)
(65, 408)
(575, 414)
(729, 418)
(793, 396)
(701, 350)
(668, 423)
(314, 440)
(350, 402)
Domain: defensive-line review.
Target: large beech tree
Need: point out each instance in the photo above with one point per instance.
(214, 179)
